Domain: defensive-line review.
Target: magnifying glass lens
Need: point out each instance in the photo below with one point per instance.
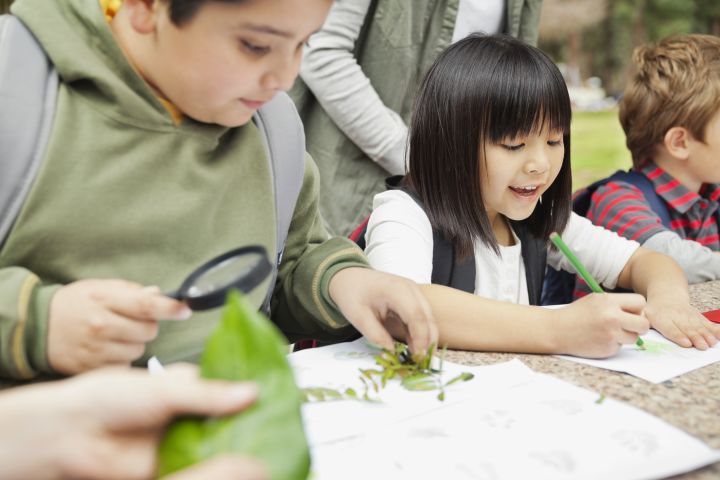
(224, 274)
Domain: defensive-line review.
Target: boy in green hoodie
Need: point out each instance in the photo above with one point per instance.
(152, 167)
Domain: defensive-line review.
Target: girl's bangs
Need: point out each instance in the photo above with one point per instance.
(530, 95)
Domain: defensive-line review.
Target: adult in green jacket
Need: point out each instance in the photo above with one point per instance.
(153, 167)
(359, 78)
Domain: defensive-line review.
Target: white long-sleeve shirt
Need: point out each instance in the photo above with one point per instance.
(399, 240)
(330, 70)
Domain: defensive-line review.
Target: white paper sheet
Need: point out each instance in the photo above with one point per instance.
(662, 359)
(507, 423)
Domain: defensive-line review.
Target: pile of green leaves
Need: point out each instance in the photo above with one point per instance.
(415, 372)
(245, 347)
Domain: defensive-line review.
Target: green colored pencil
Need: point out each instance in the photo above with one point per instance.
(594, 286)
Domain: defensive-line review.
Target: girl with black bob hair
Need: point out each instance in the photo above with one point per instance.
(489, 180)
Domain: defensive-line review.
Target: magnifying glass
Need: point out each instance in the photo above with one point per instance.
(241, 269)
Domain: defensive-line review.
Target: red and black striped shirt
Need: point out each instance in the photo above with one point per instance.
(622, 207)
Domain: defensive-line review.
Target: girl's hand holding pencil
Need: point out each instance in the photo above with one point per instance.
(597, 325)
(582, 271)
(668, 308)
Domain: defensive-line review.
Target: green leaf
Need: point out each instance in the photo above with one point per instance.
(419, 381)
(245, 347)
(463, 377)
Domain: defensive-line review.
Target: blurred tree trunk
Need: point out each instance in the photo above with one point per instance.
(639, 29)
(564, 21)
(610, 62)
(707, 16)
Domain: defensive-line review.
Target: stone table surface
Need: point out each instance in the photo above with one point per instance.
(691, 402)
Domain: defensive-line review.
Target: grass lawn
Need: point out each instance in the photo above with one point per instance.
(597, 146)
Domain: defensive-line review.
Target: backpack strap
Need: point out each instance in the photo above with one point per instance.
(534, 254)
(447, 269)
(581, 200)
(284, 140)
(642, 182)
(28, 91)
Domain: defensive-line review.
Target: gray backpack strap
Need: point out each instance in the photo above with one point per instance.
(284, 139)
(28, 91)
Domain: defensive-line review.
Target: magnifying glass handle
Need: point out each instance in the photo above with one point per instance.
(173, 294)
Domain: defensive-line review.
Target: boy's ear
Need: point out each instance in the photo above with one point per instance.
(142, 14)
(677, 142)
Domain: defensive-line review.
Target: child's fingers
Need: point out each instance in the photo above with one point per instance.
(626, 338)
(141, 304)
(671, 331)
(696, 335)
(417, 316)
(120, 353)
(700, 333)
(121, 329)
(710, 331)
(184, 395)
(637, 324)
(629, 302)
(369, 325)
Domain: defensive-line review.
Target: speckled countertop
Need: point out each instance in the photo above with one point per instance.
(690, 402)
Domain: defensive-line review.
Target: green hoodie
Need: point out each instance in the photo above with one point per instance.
(126, 193)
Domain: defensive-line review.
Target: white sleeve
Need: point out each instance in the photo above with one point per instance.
(603, 252)
(399, 237)
(330, 70)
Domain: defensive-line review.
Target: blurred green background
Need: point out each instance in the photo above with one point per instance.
(597, 146)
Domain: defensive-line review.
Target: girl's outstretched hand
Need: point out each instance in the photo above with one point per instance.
(378, 303)
(596, 326)
(676, 320)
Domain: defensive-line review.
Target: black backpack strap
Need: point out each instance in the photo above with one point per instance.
(534, 254)
(28, 91)
(447, 269)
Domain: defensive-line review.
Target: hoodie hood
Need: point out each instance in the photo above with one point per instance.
(77, 38)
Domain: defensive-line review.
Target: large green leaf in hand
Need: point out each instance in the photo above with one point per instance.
(245, 346)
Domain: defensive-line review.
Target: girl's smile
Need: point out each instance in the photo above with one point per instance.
(528, 191)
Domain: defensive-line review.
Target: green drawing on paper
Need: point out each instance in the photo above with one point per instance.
(655, 347)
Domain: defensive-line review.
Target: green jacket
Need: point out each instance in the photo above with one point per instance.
(124, 192)
(395, 48)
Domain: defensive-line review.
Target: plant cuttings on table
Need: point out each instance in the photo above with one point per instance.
(415, 372)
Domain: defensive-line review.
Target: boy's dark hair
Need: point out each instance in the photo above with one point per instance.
(182, 11)
(484, 89)
(675, 83)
